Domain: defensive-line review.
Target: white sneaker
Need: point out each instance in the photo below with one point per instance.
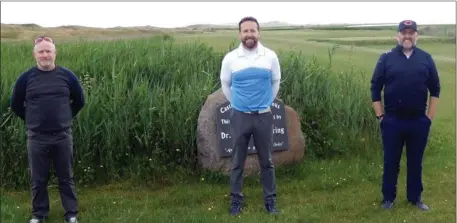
(72, 220)
(34, 220)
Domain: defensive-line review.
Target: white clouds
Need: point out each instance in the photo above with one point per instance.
(174, 14)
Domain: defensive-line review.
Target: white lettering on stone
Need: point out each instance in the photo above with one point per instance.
(276, 105)
(278, 130)
(225, 135)
(277, 144)
(225, 108)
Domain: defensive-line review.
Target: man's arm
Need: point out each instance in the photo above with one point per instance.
(76, 94)
(434, 87)
(276, 76)
(377, 84)
(226, 79)
(18, 96)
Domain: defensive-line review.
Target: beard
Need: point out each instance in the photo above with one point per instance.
(46, 63)
(407, 43)
(250, 42)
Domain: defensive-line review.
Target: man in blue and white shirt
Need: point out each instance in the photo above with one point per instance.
(250, 77)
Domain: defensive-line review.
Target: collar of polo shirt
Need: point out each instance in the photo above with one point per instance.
(260, 49)
(408, 54)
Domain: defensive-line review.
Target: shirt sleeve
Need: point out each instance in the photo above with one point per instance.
(276, 75)
(226, 78)
(18, 96)
(433, 82)
(76, 94)
(378, 79)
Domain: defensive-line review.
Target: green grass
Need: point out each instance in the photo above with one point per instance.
(447, 50)
(327, 191)
(343, 188)
(383, 41)
(432, 30)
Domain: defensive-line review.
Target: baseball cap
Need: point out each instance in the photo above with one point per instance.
(407, 24)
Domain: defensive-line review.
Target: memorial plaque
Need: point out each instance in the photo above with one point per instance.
(280, 137)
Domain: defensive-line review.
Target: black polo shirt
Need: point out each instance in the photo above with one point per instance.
(406, 81)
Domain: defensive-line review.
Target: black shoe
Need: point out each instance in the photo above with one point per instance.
(270, 206)
(420, 205)
(387, 204)
(235, 208)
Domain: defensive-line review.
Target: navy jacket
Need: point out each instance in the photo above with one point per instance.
(47, 100)
(406, 82)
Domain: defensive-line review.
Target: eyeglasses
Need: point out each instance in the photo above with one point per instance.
(45, 38)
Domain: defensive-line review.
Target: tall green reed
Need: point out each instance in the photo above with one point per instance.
(143, 99)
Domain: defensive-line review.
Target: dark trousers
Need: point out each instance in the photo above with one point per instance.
(397, 132)
(42, 149)
(261, 127)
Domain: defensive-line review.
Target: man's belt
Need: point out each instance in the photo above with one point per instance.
(259, 112)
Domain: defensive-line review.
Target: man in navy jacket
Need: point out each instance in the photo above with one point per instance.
(47, 97)
(407, 74)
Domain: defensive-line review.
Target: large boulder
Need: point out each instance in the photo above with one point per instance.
(210, 155)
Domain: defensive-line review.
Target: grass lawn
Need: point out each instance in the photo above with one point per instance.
(330, 191)
(340, 190)
(440, 49)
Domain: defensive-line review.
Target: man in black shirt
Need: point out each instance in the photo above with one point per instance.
(407, 74)
(47, 97)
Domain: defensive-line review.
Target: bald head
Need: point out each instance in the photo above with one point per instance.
(44, 45)
(45, 55)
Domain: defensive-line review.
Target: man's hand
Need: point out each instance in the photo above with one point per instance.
(432, 108)
(378, 109)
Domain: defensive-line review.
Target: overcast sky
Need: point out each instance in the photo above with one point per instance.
(174, 14)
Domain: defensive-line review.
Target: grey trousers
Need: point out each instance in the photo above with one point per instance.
(42, 149)
(260, 126)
